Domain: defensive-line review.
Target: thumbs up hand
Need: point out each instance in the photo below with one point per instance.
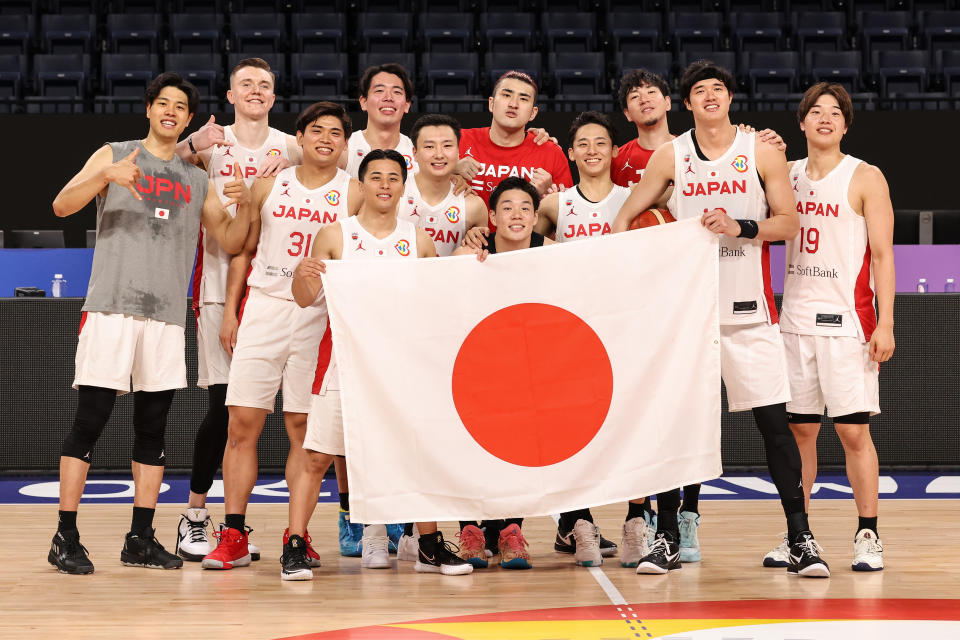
(126, 173)
(237, 189)
(208, 135)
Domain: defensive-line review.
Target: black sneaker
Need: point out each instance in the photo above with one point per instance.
(144, 550)
(68, 555)
(664, 555)
(804, 559)
(438, 556)
(491, 536)
(294, 563)
(566, 543)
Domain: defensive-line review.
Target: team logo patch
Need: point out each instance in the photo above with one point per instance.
(453, 214)
(273, 152)
(354, 236)
(569, 202)
(402, 247)
(359, 153)
(409, 160)
(740, 163)
(409, 200)
(332, 197)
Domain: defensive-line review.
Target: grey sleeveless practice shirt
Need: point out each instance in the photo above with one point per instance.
(145, 248)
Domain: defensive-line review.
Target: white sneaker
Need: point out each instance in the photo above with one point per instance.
(408, 548)
(780, 555)
(192, 541)
(635, 542)
(376, 547)
(587, 536)
(867, 551)
(254, 551)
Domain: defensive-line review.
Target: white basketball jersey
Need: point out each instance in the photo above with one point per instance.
(731, 183)
(828, 287)
(579, 218)
(210, 273)
(289, 221)
(358, 148)
(360, 244)
(446, 222)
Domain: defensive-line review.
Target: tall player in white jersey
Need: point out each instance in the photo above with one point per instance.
(260, 151)
(376, 233)
(385, 92)
(717, 169)
(277, 342)
(429, 199)
(836, 268)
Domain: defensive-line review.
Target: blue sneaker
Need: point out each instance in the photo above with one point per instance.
(351, 536)
(394, 532)
(689, 543)
(651, 519)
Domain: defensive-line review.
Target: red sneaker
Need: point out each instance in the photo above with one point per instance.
(232, 550)
(313, 558)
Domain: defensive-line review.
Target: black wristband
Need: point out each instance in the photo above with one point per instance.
(748, 229)
(193, 149)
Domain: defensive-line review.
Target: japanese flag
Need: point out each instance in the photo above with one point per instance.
(540, 381)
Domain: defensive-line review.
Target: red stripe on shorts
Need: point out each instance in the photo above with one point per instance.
(324, 353)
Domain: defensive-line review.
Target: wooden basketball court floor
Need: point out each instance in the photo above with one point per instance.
(728, 595)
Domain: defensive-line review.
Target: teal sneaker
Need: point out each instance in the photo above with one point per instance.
(651, 519)
(689, 543)
(351, 536)
(394, 532)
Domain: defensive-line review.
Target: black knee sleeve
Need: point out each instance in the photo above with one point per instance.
(94, 406)
(783, 455)
(211, 440)
(803, 418)
(861, 417)
(150, 410)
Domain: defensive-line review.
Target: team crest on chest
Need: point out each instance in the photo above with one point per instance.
(273, 152)
(402, 247)
(453, 214)
(740, 163)
(332, 197)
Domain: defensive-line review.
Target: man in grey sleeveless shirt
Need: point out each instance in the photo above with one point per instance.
(150, 204)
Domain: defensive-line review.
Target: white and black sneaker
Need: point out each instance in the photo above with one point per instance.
(867, 552)
(294, 564)
(567, 543)
(805, 560)
(68, 555)
(144, 550)
(439, 556)
(664, 555)
(192, 540)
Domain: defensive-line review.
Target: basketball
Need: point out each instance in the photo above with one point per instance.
(651, 218)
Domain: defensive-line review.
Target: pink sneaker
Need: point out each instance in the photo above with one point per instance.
(513, 549)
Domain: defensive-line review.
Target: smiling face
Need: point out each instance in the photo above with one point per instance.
(323, 140)
(592, 150)
(382, 185)
(251, 92)
(387, 101)
(513, 104)
(515, 215)
(437, 151)
(824, 124)
(646, 105)
(709, 100)
(169, 114)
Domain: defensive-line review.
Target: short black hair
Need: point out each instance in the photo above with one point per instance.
(701, 70)
(172, 79)
(389, 67)
(382, 154)
(514, 182)
(636, 78)
(434, 120)
(522, 77)
(319, 109)
(591, 117)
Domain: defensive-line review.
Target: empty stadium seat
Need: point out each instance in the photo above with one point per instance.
(820, 31)
(127, 74)
(772, 72)
(902, 71)
(406, 60)
(569, 32)
(659, 62)
(497, 64)
(948, 64)
(387, 32)
(70, 33)
(12, 73)
(842, 67)
(696, 31)
(447, 32)
(133, 32)
(201, 7)
(450, 73)
(576, 73)
(634, 30)
(885, 29)
(506, 32)
(196, 33)
(258, 32)
(320, 74)
(60, 80)
(202, 69)
(318, 32)
(757, 31)
(16, 34)
(940, 29)
(726, 59)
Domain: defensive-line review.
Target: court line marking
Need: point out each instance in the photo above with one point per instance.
(614, 595)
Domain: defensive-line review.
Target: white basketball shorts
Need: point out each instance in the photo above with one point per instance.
(325, 425)
(753, 365)
(213, 363)
(835, 372)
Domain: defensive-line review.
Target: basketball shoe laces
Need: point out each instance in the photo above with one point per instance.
(810, 548)
(471, 540)
(225, 536)
(447, 551)
(197, 531)
(632, 535)
(376, 543)
(867, 545)
(516, 544)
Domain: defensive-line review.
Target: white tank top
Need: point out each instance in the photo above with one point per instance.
(730, 182)
(446, 222)
(828, 286)
(289, 221)
(579, 218)
(358, 148)
(360, 244)
(210, 273)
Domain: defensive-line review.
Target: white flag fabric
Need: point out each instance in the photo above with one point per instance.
(541, 381)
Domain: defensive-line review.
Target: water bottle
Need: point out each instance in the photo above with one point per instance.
(950, 287)
(58, 287)
(922, 286)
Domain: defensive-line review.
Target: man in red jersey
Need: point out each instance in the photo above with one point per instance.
(506, 148)
(645, 99)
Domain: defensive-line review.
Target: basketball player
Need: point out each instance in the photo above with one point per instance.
(260, 151)
(507, 148)
(374, 234)
(150, 204)
(277, 340)
(833, 339)
(717, 168)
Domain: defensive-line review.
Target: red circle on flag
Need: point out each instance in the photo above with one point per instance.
(532, 384)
